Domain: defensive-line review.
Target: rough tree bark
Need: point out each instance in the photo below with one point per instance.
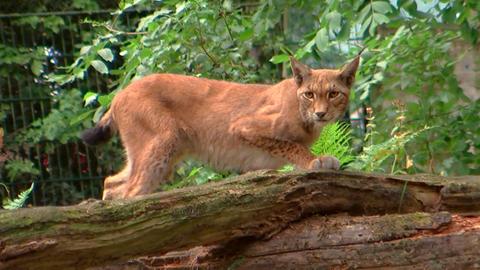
(408, 241)
(233, 219)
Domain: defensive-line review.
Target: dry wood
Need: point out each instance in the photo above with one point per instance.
(408, 241)
(257, 205)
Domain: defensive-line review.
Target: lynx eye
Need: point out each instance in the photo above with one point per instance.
(308, 95)
(333, 94)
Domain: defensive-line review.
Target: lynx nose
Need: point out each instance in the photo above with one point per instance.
(320, 115)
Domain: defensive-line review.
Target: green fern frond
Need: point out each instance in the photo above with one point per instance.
(192, 173)
(18, 202)
(373, 156)
(334, 141)
(286, 168)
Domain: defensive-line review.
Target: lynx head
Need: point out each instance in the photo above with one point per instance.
(323, 93)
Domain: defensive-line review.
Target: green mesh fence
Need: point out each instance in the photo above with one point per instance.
(67, 172)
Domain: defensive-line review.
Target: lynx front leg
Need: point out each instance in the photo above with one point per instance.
(293, 152)
(324, 162)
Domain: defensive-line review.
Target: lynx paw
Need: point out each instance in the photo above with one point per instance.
(324, 162)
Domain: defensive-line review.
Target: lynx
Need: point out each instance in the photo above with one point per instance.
(163, 118)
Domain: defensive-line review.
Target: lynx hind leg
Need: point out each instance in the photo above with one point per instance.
(115, 186)
(154, 164)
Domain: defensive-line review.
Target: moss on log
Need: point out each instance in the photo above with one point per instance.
(257, 205)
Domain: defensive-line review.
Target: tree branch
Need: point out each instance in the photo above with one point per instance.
(111, 29)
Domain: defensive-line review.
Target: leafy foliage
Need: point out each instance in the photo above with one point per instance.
(51, 5)
(407, 78)
(403, 42)
(18, 167)
(335, 141)
(31, 47)
(192, 173)
(373, 156)
(430, 101)
(19, 201)
(56, 125)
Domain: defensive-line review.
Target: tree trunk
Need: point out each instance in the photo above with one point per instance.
(235, 212)
(408, 241)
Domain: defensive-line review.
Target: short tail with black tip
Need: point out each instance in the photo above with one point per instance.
(102, 132)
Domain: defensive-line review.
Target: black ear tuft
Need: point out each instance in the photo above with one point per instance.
(347, 73)
(299, 70)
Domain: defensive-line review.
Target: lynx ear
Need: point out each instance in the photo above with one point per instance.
(299, 70)
(347, 73)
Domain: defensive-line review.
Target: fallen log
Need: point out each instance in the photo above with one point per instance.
(257, 205)
(407, 241)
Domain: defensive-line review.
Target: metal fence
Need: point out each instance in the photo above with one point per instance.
(68, 172)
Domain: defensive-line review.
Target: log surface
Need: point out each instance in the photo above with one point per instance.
(408, 241)
(257, 205)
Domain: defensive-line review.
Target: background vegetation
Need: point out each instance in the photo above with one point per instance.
(418, 118)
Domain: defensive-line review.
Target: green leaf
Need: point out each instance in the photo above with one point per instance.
(147, 20)
(334, 21)
(364, 13)
(90, 97)
(321, 39)
(365, 25)
(80, 74)
(106, 54)
(17, 167)
(334, 141)
(374, 155)
(357, 4)
(180, 7)
(127, 4)
(378, 76)
(280, 58)
(380, 18)
(364, 95)
(81, 117)
(382, 64)
(300, 53)
(309, 45)
(373, 26)
(36, 67)
(99, 113)
(246, 34)
(381, 7)
(228, 5)
(53, 23)
(100, 66)
(287, 168)
(344, 33)
(105, 100)
(18, 202)
(85, 49)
